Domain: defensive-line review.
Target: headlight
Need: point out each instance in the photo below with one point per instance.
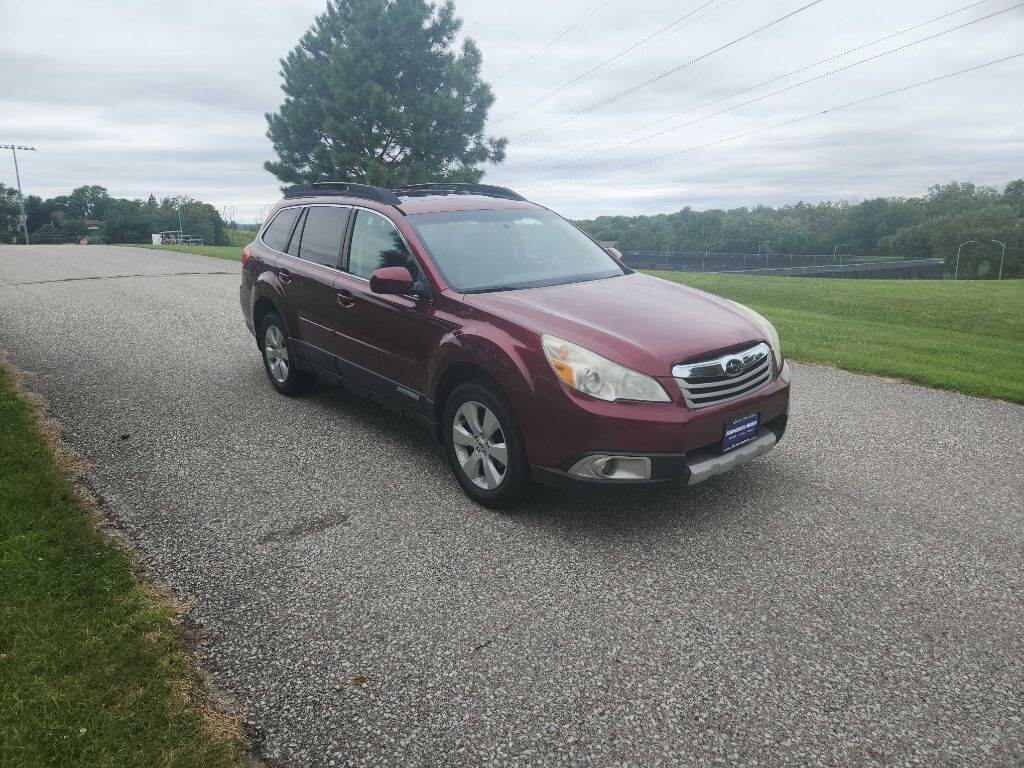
(770, 334)
(593, 375)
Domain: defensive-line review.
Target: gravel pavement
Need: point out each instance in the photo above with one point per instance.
(853, 598)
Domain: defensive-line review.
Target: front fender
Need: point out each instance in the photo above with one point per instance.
(504, 357)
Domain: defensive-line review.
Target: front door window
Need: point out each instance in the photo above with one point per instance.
(377, 243)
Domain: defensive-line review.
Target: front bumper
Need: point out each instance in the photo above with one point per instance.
(679, 468)
(561, 427)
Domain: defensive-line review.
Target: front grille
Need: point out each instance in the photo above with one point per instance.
(726, 378)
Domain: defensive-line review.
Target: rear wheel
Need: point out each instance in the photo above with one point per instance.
(279, 358)
(485, 449)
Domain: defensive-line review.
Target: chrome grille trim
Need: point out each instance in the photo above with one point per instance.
(706, 382)
(715, 386)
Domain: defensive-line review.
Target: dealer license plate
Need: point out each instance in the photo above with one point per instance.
(740, 431)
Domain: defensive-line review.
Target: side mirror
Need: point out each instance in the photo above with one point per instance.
(615, 253)
(391, 280)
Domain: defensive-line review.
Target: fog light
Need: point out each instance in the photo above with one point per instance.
(613, 468)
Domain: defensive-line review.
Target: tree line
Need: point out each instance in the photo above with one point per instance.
(90, 211)
(932, 226)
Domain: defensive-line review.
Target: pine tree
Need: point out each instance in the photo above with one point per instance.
(375, 93)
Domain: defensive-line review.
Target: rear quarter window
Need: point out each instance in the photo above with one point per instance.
(276, 235)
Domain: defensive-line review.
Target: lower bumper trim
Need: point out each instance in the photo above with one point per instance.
(703, 468)
(672, 468)
(561, 479)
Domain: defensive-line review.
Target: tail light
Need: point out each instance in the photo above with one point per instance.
(245, 255)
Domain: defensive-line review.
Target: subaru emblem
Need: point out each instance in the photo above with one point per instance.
(734, 366)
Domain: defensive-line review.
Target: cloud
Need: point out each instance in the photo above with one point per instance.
(144, 98)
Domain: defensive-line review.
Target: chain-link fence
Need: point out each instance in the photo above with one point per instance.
(791, 264)
(708, 261)
(38, 238)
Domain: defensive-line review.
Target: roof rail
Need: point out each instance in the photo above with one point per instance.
(458, 188)
(345, 189)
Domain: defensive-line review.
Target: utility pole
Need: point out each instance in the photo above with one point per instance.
(956, 271)
(21, 198)
(1000, 242)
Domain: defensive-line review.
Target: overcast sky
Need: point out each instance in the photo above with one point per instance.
(150, 97)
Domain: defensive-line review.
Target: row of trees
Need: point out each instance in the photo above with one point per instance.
(118, 220)
(915, 227)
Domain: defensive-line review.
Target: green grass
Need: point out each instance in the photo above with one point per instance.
(240, 237)
(230, 252)
(91, 672)
(965, 335)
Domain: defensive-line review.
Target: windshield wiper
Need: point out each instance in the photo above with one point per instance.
(544, 283)
(501, 288)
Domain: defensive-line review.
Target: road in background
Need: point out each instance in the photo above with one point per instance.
(855, 597)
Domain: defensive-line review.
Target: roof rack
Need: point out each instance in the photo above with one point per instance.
(343, 188)
(456, 188)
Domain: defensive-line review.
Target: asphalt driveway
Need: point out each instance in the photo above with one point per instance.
(853, 598)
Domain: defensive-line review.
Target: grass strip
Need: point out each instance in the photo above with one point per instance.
(965, 335)
(91, 670)
(229, 252)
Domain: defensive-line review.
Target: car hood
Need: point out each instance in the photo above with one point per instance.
(636, 320)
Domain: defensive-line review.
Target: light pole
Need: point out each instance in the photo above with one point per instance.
(21, 198)
(1001, 257)
(956, 271)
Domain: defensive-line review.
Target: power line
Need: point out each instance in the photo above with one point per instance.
(552, 41)
(780, 125)
(665, 33)
(848, 51)
(663, 75)
(621, 54)
(774, 93)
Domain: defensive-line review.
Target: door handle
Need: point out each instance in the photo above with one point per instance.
(285, 275)
(345, 298)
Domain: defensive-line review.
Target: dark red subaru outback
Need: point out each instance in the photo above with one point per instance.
(527, 348)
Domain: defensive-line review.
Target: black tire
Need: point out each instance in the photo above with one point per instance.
(274, 335)
(515, 481)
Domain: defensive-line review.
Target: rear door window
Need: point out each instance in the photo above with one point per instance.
(276, 235)
(322, 234)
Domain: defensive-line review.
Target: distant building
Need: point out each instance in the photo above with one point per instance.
(59, 218)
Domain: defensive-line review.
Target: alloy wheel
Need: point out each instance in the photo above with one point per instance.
(277, 353)
(480, 446)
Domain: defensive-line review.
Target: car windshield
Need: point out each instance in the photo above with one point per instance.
(501, 250)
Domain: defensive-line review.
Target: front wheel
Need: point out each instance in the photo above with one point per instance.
(485, 449)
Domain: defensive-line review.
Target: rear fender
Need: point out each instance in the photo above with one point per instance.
(268, 286)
